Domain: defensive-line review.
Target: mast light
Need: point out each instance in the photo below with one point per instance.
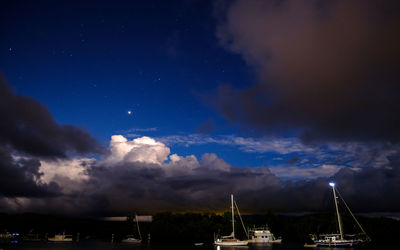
(331, 184)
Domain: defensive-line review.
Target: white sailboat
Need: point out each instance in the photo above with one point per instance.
(230, 240)
(131, 238)
(336, 240)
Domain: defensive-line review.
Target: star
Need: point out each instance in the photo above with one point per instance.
(129, 112)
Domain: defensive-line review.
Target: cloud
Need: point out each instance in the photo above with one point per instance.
(132, 130)
(30, 136)
(349, 154)
(182, 183)
(68, 174)
(191, 139)
(22, 178)
(296, 172)
(326, 69)
(246, 144)
(28, 127)
(165, 182)
(143, 149)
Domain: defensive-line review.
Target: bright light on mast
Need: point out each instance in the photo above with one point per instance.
(331, 184)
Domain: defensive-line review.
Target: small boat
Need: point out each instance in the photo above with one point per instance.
(230, 240)
(340, 239)
(61, 238)
(262, 235)
(131, 238)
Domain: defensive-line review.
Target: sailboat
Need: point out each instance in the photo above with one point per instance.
(340, 239)
(131, 238)
(230, 240)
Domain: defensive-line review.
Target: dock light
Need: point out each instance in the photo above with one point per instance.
(331, 184)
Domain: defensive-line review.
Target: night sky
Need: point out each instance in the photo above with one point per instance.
(108, 107)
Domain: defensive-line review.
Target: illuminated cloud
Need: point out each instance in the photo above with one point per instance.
(68, 174)
(74, 169)
(143, 149)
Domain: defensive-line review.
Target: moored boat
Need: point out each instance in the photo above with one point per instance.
(230, 240)
(340, 239)
(335, 240)
(61, 238)
(261, 235)
(131, 238)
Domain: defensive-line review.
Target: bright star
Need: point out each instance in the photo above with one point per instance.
(129, 112)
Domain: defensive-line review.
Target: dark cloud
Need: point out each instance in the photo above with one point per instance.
(28, 127)
(29, 133)
(186, 186)
(21, 178)
(182, 185)
(373, 189)
(327, 68)
(175, 186)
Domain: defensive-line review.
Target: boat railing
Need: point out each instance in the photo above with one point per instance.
(259, 229)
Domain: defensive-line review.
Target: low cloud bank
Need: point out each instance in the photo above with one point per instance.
(141, 175)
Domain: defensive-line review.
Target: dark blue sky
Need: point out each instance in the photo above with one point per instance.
(90, 63)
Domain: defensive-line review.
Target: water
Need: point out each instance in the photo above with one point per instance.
(105, 246)
(98, 245)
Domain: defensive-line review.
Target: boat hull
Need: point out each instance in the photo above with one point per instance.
(58, 240)
(338, 243)
(262, 235)
(131, 241)
(232, 243)
(265, 242)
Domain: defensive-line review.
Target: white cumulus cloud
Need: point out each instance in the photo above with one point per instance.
(143, 149)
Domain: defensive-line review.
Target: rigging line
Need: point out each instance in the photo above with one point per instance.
(244, 228)
(137, 224)
(359, 225)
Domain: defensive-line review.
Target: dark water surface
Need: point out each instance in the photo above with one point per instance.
(103, 245)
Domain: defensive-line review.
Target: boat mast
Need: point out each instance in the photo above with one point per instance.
(233, 218)
(137, 224)
(337, 210)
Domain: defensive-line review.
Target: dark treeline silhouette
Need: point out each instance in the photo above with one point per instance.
(188, 228)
